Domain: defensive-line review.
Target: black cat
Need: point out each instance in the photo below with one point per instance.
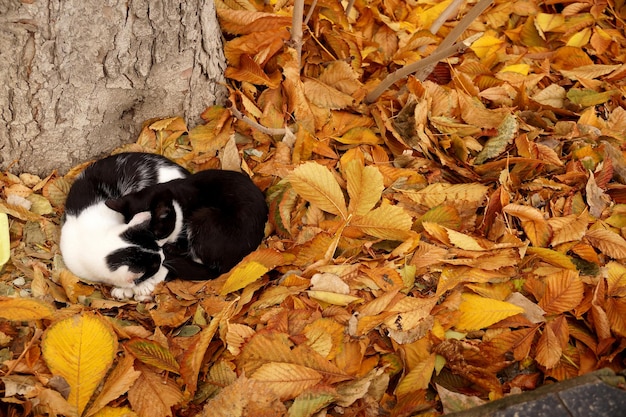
(223, 216)
(97, 243)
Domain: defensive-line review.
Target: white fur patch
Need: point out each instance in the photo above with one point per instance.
(142, 291)
(167, 174)
(178, 226)
(86, 241)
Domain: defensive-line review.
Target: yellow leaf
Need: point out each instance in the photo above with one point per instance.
(81, 349)
(310, 402)
(478, 312)
(463, 241)
(359, 136)
(287, 380)
(486, 45)
(417, 378)
(171, 123)
(250, 269)
(385, 222)
(115, 412)
(318, 186)
(552, 257)
(365, 186)
(580, 39)
(24, 309)
(333, 297)
(548, 22)
(439, 193)
(523, 69)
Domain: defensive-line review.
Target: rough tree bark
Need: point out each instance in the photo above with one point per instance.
(78, 77)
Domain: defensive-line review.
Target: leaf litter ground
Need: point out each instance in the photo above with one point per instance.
(456, 240)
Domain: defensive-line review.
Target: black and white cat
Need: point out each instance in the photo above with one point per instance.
(224, 216)
(98, 244)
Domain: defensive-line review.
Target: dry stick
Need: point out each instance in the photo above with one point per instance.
(445, 49)
(296, 28)
(296, 41)
(349, 7)
(311, 9)
(36, 336)
(450, 10)
(267, 130)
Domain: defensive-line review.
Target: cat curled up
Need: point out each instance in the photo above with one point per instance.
(98, 244)
(223, 216)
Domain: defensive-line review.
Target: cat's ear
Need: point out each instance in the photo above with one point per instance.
(119, 204)
(122, 206)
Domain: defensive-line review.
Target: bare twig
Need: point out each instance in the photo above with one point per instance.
(310, 13)
(349, 7)
(444, 50)
(267, 130)
(296, 28)
(36, 336)
(450, 10)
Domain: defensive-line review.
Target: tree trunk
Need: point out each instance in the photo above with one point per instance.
(78, 77)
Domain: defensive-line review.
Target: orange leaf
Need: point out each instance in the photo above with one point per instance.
(564, 291)
(549, 349)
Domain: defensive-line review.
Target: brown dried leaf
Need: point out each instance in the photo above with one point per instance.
(152, 395)
(564, 291)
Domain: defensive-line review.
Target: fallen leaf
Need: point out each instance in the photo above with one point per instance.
(81, 349)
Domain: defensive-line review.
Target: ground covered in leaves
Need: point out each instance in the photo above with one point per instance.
(449, 242)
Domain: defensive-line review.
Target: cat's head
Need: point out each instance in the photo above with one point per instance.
(166, 218)
(98, 246)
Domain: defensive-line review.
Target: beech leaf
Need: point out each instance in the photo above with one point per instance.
(479, 312)
(152, 353)
(81, 349)
(385, 222)
(24, 309)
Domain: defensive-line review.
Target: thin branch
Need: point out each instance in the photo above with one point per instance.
(311, 10)
(349, 7)
(395, 76)
(296, 28)
(445, 15)
(267, 130)
(444, 50)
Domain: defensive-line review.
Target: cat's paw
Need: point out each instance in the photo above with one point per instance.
(143, 291)
(122, 293)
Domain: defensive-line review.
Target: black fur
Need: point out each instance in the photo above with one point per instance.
(96, 242)
(115, 176)
(224, 216)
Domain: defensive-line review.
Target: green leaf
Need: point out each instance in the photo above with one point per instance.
(497, 144)
(152, 353)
